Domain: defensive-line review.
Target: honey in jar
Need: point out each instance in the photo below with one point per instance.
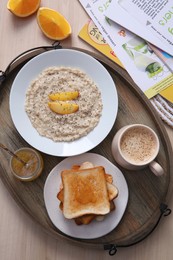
(33, 164)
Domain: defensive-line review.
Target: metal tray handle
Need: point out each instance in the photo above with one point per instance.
(30, 54)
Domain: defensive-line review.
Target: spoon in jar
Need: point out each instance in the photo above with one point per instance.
(13, 154)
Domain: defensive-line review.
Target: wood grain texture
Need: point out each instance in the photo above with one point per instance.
(147, 191)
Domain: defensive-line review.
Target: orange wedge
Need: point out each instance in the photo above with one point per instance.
(53, 24)
(23, 8)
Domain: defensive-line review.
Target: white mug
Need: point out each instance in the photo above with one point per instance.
(135, 147)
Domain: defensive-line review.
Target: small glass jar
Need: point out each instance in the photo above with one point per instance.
(33, 167)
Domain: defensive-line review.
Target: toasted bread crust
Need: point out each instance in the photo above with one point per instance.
(112, 191)
(85, 192)
(60, 195)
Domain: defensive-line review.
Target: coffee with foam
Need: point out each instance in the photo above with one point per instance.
(138, 145)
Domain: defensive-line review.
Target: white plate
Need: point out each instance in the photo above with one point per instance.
(94, 70)
(95, 229)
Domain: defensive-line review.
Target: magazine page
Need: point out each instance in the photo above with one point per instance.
(140, 61)
(167, 94)
(118, 12)
(156, 16)
(164, 56)
(90, 34)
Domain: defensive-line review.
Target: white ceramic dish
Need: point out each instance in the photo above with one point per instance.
(95, 229)
(94, 70)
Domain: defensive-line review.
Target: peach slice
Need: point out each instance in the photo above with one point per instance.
(63, 96)
(63, 108)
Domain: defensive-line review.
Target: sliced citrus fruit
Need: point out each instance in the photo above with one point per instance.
(53, 24)
(63, 108)
(63, 96)
(23, 8)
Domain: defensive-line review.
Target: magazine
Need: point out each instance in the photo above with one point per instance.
(90, 34)
(148, 19)
(144, 66)
(164, 56)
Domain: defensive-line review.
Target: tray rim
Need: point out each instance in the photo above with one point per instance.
(22, 59)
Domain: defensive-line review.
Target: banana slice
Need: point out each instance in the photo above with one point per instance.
(63, 108)
(63, 96)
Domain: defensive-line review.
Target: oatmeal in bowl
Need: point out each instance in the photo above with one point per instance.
(63, 103)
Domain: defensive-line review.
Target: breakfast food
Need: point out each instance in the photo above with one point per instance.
(33, 166)
(138, 145)
(63, 104)
(87, 193)
(53, 24)
(23, 8)
(62, 96)
(63, 108)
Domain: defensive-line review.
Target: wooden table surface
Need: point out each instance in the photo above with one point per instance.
(20, 237)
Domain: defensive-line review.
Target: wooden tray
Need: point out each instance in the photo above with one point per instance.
(146, 192)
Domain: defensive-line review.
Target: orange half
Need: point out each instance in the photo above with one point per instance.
(23, 8)
(53, 24)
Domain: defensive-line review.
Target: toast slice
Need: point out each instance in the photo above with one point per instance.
(84, 165)
(86, 219)
(112, 191)
(111, 188)
(85, 192)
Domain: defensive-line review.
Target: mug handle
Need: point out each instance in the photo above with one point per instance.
(156, 168)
